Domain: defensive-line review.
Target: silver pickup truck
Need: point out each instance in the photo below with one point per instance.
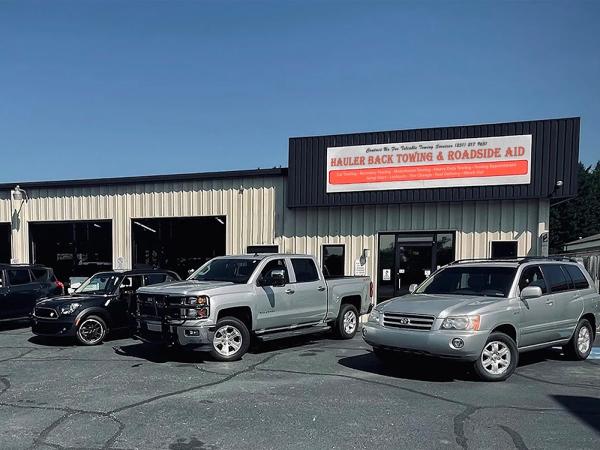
(486, 312)
(231, 298)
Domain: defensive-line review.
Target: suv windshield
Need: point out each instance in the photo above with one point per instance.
(480, 281)
(101, 283)
(234, 270)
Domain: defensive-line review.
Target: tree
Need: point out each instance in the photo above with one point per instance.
(580, 216)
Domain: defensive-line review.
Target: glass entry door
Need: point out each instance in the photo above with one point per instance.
(407, 258)
(414, 263)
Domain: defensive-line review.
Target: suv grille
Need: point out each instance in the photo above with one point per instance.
(45, 313)
(408, 321)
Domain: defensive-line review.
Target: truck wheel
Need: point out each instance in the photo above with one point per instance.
(580, 345)
(91, 330)
(347, 322)
(498, 359)
(231, 339)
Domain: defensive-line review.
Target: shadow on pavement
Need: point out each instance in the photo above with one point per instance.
(410, 368)
(14, 325)
(586, 409)
(539, 356)
(158, 354)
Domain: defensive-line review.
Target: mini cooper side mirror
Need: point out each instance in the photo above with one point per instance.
(412, 288)
(531, 292)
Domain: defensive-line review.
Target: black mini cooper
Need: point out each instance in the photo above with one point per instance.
(106, 301)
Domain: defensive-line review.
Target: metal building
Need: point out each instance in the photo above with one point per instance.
(396, 224)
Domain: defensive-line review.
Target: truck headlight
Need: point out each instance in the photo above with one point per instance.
(197, 307)
(69, 309)
(463, 323)
(375, 316)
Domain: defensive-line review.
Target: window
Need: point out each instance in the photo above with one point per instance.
(305, 270)
(18, 276)
(579, 279)
(504, 249)
(333, 261)
(556, 278)
(234, 270)
(276, 264)
(154, 278)
(41, 274)
(262, 249)
(477, 281)
(532, 276)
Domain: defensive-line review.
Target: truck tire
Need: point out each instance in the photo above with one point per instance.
(91, 330)
(580, 345)
(231, 339)
(498, 359)
(347, 322)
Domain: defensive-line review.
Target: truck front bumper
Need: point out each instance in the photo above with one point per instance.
(437, 343)
(194, 335)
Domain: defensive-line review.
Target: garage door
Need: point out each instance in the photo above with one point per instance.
(4, 243)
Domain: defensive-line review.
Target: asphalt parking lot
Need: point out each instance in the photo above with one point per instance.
(316, 393)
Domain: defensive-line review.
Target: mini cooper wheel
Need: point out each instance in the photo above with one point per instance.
(498, 359)
(346, 324)
(231, 340)
(91, 330)
(580, 345)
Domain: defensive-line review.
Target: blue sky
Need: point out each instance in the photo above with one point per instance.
(115, 88)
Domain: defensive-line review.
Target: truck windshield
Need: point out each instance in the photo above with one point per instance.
(101, 283)
(479, 281)
(233, 270)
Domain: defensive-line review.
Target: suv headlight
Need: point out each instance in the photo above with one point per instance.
(375, 316)
(197, 307)
(464, 323)
(69, 309)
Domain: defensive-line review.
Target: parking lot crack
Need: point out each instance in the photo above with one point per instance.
(516, 437)
(555, 383)
(459, 425)
(250, 368)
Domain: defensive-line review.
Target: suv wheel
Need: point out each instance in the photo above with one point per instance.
(498, 359)
(91, 330)
(346, 325)
(231, 339)
(580, 345)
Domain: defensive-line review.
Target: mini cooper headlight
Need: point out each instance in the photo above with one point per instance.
(374, 316)
(463, 323)
(69, 309)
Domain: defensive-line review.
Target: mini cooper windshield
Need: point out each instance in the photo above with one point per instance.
(101, 283)
(233, 270)
(478, 281)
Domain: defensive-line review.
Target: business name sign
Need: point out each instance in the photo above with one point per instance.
(430, 164)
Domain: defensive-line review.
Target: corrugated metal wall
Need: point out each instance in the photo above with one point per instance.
(256, 214)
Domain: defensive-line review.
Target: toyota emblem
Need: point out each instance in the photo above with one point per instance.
(404, 320)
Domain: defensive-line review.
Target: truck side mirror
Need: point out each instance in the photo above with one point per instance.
(275, 278)
(531, 292)
(413, 287)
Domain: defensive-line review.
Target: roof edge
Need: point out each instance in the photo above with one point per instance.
(277, 171)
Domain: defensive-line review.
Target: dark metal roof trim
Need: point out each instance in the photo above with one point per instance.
(282, 171)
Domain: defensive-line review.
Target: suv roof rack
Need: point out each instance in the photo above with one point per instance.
(519, 259)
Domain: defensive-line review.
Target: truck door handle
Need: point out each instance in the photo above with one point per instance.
(289, 291)
(549, 302)
(321, 288)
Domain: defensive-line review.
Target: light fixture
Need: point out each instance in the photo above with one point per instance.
(145, 227)
(19, 194)
(97, 226)
(220, 220)
(559, 183)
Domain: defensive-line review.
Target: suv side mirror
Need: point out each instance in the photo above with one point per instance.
(412, 288)
(531, 292)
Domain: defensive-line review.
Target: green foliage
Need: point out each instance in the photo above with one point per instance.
(579, 217)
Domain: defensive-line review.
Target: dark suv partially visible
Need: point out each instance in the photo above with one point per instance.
(22, 286)
(104, 302)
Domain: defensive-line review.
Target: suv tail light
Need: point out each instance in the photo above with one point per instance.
(60, 285)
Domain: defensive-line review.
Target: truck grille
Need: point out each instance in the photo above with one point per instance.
(408, 321)
(45, 313)
(159, 305)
